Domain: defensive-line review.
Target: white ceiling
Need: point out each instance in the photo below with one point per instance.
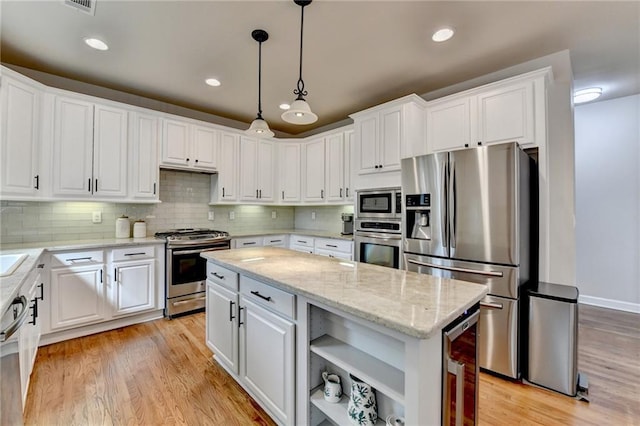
(356, 53)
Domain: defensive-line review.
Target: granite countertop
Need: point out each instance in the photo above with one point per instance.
(418, 305)
(309, 232)
(10, 285)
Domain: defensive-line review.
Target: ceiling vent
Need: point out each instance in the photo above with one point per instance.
(86, 6)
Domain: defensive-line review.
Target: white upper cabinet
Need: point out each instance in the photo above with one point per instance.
(143, 170)
(386, 133)
(313, 167)
(89, 149)
(186, 145)
(289, 167)
(257, 158)
(349, 146)
(224, 184)
(508, 110)
(334, 147)
(20, 138)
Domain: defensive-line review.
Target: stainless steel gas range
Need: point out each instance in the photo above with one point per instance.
(186, 270)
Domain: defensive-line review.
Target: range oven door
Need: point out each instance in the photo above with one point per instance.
(379, 249)
(186, 270)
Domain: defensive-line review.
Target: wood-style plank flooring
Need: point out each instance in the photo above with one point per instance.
(161, 373)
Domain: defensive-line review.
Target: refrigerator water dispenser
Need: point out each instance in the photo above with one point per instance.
(418, 216)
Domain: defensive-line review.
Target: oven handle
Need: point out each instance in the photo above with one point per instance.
(455, 269)
(18, 321)
(180, 252)
(385, 237)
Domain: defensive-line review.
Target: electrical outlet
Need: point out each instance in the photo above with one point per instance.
(96, 217)
(313, 215)
(232, 215)
(211, 216)
(274, 214)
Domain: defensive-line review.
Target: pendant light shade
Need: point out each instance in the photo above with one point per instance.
(300, 111)
(259, 127)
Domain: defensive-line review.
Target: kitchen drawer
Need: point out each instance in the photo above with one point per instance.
(247, 242)
(77, 258)
(303, 249)
(275, 241)
(223, 276)
(334, 245)
(300, 240)
(266, 295)
(133, 253)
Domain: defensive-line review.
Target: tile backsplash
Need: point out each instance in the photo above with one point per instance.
(185, 197)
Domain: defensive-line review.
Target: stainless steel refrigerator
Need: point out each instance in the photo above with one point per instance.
(467, 216)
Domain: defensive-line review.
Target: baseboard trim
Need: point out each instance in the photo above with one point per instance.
(610, 303)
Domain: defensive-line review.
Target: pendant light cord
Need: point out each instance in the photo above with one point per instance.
(260, 80)
(300, 90)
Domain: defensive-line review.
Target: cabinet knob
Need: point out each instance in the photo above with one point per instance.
(380, 166)
(376, 166)
(187, 159)
(466, 145)
(196, 160)
(479, 143)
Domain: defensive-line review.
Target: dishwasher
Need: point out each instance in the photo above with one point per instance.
(10, 397)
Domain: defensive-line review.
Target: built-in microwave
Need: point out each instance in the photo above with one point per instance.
(379, 204)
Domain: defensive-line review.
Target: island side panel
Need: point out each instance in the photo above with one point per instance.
(302, 362)
(423, 381)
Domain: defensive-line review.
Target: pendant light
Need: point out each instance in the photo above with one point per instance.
(259, 127)
(300, 111)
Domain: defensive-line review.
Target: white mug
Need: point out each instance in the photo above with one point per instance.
(332, 387)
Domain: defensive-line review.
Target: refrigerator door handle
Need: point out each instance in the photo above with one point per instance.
(443, 224)
(452, 206)
(456, 269)
(491, 305)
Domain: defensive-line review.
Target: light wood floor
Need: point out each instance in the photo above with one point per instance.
(161, 373)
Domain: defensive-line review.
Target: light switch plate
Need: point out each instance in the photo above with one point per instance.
(232, 215)
(274, 214)
(96, 217)
(211, 216)
(313, 215)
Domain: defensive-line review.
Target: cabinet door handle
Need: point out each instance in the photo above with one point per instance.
(240, 308)
(257, 193)
(223, 192)
(96, 187)
(37, 178)
(34, 311)
(257, 293)
(154, 188)
(347, 192)
(322, 193)
(101, 276)
(89, 185)
(261, 193)
(231, 303)
(115, 275)
(283, 195)
(340, 192)
(41, 287)
(217, 275)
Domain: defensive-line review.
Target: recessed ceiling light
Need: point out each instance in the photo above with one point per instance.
(212, 82)
(96, 43)
(586, 95)
(443, 34)
(285, 106)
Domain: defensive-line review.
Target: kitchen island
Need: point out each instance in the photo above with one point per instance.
(276, 319)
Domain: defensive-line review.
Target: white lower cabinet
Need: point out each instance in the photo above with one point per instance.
(29, 337)
(222, 324)
(85, 289)
(250, 329)
(301, 243)
(133, 282)
(340, 249)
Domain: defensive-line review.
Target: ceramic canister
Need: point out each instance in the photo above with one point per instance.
(139, 229)
(123, 227)
(362, 407)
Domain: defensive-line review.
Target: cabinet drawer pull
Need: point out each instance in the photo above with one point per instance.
(41, 287)
(135, 254)
(231, 317)
(250, 243)
(217, 275)
(34, 311)
(331, 245)
(302, 242)
(275, 241)
(76, 259)
(257, 293)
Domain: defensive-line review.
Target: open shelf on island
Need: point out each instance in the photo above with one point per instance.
(380, 375)
(336, 411)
